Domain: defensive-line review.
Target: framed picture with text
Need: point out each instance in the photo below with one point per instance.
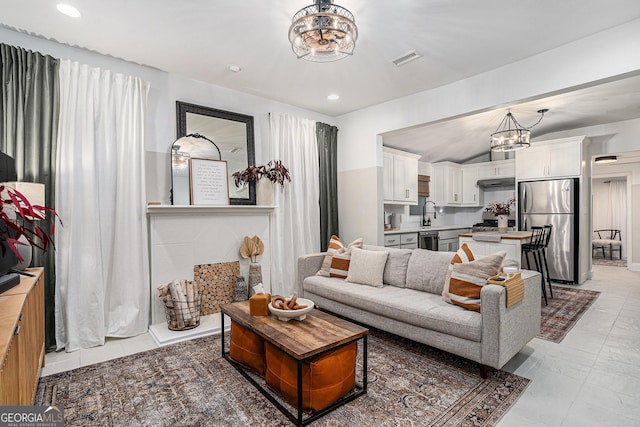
(208, 183)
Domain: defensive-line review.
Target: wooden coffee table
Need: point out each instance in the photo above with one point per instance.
(320, 333)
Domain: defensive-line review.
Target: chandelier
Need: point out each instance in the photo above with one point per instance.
(323, 32)
(511, 135)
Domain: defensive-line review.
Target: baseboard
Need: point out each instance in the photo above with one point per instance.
(634, 266)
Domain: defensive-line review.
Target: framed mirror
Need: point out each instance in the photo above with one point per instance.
(231, 133)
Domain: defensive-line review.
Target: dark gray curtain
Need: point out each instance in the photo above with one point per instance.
(28, 131)
(327, 137)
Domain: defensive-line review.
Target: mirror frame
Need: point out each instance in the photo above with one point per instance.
(182, 108)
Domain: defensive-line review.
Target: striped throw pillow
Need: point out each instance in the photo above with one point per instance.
(340, 265)
(468, 278)
(336, 247)
(464, 254)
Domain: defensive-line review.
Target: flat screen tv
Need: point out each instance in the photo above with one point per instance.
(8, 259)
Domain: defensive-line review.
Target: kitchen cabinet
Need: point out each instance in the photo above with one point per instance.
(401, 240)
(423, 185)
(447, 184)
(471, 194)
(497, 169)
(400, 177)
(550, 159)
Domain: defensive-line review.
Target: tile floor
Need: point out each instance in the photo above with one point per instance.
(592, 378)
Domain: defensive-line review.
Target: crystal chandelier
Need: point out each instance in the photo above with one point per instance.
(323, 32)
(511, 135)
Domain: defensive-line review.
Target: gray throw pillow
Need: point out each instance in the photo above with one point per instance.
(395, 272)
(427, 270)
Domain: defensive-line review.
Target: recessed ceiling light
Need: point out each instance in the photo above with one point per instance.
(67, 9)
(233, 67)
(333, 97)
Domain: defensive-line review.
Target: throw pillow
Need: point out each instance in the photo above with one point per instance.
(464, 254)
(468, 278)
(367, 267)
(336, 246)
(427, 270)
(340, 265)
(395, 270)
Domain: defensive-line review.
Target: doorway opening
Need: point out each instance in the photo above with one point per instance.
(609, 220)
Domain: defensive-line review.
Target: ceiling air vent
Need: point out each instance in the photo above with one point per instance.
(407, 57)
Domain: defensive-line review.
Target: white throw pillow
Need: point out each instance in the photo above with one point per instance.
(367, 267)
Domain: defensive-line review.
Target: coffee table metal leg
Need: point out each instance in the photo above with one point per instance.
(299, 392)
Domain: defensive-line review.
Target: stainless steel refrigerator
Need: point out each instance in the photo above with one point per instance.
(554, 202)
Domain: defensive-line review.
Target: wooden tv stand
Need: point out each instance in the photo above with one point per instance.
(22, 339)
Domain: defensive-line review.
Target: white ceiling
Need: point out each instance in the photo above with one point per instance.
(458, 38)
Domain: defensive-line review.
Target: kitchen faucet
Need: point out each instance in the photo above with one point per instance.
(425, 220)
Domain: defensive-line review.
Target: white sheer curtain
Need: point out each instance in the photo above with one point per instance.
(102, 283)
(296, 225)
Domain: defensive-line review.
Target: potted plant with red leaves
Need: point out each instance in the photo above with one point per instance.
(502, 211)
(25, 224)
(274, 172)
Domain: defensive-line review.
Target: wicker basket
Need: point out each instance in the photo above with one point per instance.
(181, 317)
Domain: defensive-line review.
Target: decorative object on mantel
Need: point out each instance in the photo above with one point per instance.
(216, 283)
(250, 249)
(274, 171)
(511, 135)
(182, 302)
(323, 32)
(242, 290)
(502, 211)
(18, 223)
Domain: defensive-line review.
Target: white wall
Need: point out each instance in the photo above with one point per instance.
(602, 56)
(165, 90)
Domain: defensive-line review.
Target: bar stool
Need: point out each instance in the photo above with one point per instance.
(534, 247)
(547, 237)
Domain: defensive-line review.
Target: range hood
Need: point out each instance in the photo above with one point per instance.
(497, 182)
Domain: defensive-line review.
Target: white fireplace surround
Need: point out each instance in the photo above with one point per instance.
(183, 236)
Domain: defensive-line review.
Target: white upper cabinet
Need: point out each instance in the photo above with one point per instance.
(446, 184)
(497, 169)
(400, 177)
(470, 190)
(559, 158)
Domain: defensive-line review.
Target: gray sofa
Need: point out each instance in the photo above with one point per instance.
(418, 312)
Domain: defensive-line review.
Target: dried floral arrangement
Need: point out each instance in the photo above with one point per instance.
(25, 222)
(251, 248)
(274, 171)
(498, 208)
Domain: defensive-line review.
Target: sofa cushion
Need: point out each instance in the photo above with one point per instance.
(410, 306)
(464, 254)
(367, 267)
(467, 280)
(395, 270)
(340, 265)
(427, 270)
(336, 246)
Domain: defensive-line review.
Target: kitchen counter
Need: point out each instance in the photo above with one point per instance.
(489, 242)
(432, 228)
(513, 235)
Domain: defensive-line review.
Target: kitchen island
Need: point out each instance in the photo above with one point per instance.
(488, 242)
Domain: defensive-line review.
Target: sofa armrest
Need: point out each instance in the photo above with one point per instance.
(308, 265)
(506, 330)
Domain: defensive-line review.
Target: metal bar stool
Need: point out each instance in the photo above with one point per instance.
(533, 247)
(547, 237)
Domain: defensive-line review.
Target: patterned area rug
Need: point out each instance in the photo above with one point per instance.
(189, 384)
(564, 310)
(607, 261)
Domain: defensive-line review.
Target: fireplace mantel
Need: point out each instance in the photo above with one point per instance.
(183, 236)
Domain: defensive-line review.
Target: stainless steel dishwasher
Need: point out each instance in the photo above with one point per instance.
(428, 240)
